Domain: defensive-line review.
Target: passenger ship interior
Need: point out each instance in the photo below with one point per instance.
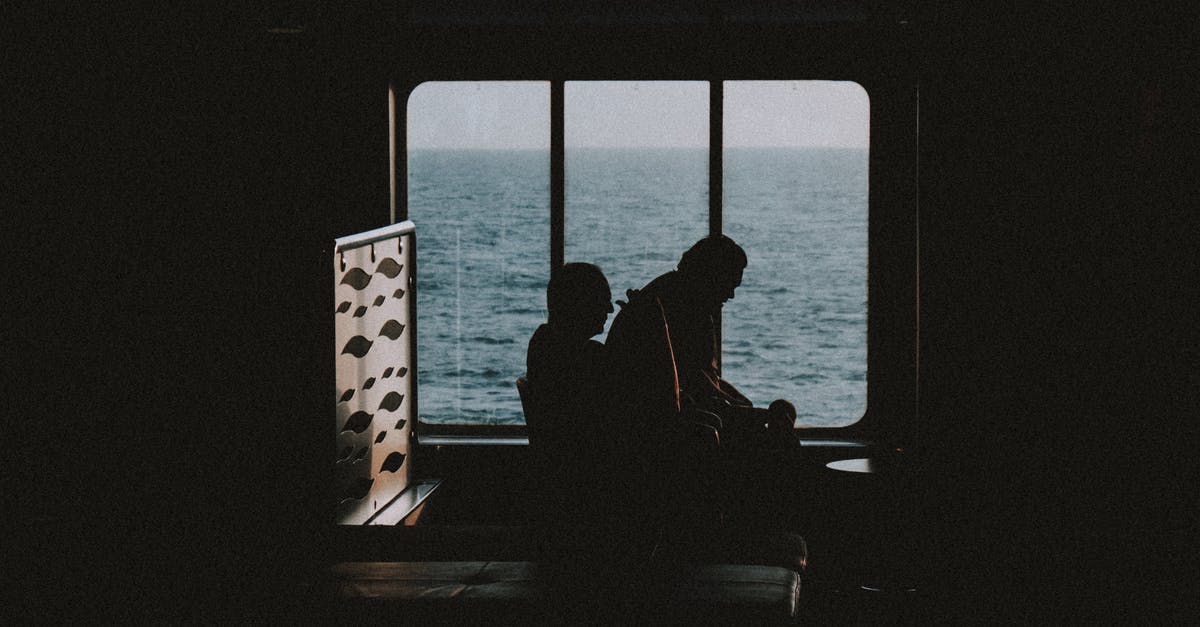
(285, 443)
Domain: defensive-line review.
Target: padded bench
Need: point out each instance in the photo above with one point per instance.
(499, 543)
(498, 592)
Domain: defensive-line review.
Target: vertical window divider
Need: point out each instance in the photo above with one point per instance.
(716, 147)
(557, 176)
(398, 159)
(716, 174)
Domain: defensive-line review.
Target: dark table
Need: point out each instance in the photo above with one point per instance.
(888, 544)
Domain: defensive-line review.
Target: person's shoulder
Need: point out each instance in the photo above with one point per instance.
(540, 336)
(550, 342)
(652, 293)
(541, 343)
(636, 304)
(640, 318)
(541, 333)
(662, 283)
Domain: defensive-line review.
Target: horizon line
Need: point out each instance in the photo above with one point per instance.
(546, 149)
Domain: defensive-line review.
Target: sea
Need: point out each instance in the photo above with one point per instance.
(796, 328)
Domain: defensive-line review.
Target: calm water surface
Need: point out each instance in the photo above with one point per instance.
(796, 330)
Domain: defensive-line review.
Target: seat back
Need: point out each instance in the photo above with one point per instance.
(532, 415)
(549, 481)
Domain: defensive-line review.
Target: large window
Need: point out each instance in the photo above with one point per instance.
(795, 180)
(478, 181)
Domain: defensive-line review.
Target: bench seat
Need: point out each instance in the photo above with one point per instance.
(501, 591)
(500, 543)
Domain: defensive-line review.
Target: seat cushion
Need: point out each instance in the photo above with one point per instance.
(510, 581)
(740, 589)
(763, 548)
(665, 592)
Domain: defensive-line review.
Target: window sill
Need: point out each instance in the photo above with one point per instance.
(520, 440)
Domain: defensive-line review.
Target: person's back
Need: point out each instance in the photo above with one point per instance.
(672, 451)
(642, 362)
(690, 320)
(565, 378)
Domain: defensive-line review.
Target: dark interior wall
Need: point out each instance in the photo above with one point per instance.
(306, 160)
(1054, 367)
(1056, 256)
(981, 383)
(181, 177)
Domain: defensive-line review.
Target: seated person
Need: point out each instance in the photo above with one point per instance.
(578, 452)
(617, 508)
(678, 309)
(690, 298)
(565, 368)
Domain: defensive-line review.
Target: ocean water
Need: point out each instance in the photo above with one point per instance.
(796, 328)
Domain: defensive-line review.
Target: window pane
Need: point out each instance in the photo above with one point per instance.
(795, 184)
(478, 176)
(637, 176)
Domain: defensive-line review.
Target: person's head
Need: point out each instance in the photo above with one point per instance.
(578, 298)
(714, 266)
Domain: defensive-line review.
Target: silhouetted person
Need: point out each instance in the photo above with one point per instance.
(690, 298)
(579, 453)
(565, 367)
(673, 318)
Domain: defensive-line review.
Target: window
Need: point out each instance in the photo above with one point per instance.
(478, 192)
(795, 197)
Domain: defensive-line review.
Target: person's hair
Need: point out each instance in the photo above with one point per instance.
(572, 282)
(711, 255)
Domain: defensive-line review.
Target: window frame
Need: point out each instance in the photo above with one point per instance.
(885, 71)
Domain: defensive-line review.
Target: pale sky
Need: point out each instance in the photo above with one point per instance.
(516, 115)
